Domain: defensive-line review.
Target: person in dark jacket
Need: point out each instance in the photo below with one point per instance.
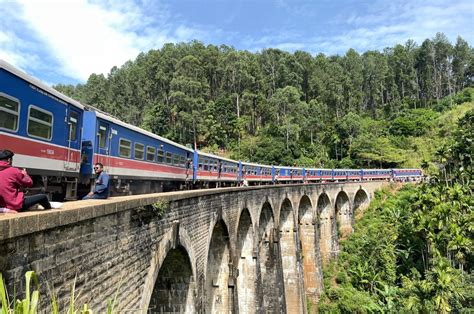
(101, 188)
(12, 181)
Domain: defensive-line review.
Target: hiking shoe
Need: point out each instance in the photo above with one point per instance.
(56, 205)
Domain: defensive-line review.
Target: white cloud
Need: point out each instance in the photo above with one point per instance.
(88, 36)
(398, 21)
(84, 37)
(385, 24)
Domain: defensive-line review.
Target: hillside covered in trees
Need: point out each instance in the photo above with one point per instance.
(374, 109)
(412, 251)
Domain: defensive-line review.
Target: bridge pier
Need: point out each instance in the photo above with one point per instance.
(309, 251)
(272, 291)
(325, 217)
(247, 265)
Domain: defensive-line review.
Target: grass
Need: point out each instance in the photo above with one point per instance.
(29, 305)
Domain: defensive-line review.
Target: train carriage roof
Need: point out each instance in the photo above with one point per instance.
(290, 167)
(251, 164)
(8, 67)
(109, 118)
(217, 157)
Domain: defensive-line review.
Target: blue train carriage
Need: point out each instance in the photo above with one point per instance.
(407, 174)
(212, 170)
(137, 161)
(43, 128)
(312, 175)
(317, 175)
(256, 174)
(376, 174)
(297, 174)
(286, 174)
(326, 175)
(347, 174)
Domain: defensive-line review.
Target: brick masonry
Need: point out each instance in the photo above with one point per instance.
(120, 245)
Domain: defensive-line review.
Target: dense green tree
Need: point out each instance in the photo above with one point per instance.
(375, 72)
(353, 82)
(413, 122)
(462, 58)
(401, 62)
(426, 75)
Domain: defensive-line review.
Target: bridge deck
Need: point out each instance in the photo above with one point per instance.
(14, 225)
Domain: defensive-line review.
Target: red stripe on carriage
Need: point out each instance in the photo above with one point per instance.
(25, 146)
(215, 174)
(120, 163)
(256, 177)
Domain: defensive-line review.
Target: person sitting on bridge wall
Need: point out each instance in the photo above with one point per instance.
(12, 180)
(101, 187)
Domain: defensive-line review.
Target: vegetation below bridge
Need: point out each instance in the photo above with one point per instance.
(412, 249)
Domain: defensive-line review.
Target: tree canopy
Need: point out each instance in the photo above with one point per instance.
(316, 109)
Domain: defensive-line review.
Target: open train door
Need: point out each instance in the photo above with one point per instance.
(73, 158)
(73, 161)
(104, 139)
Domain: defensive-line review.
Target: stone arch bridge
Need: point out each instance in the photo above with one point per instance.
(241, 250)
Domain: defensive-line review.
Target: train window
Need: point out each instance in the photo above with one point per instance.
(182, 161)
(160, 156)
(175, 159)
(125, 148)
(9, 111)
(168, 158)
(40, 123)
(102, 136)
(150, 153)
(73, 119)
(139, 151)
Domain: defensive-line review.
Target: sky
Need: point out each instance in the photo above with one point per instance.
(64, 41)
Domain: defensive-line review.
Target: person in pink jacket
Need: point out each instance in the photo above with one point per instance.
(12, 181)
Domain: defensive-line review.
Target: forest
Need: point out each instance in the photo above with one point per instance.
(375, 109)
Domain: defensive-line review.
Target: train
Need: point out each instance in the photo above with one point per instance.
(58, 140)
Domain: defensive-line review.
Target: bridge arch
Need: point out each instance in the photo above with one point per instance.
(159, 256)
(361, 201)
(218, 271)
(271, 299)
(289, 258)
(325, 216)
(246, 264)
(174, 289)
(343, 211)
(307, 231)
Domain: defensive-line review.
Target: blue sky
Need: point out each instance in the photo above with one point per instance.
(64, 41)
